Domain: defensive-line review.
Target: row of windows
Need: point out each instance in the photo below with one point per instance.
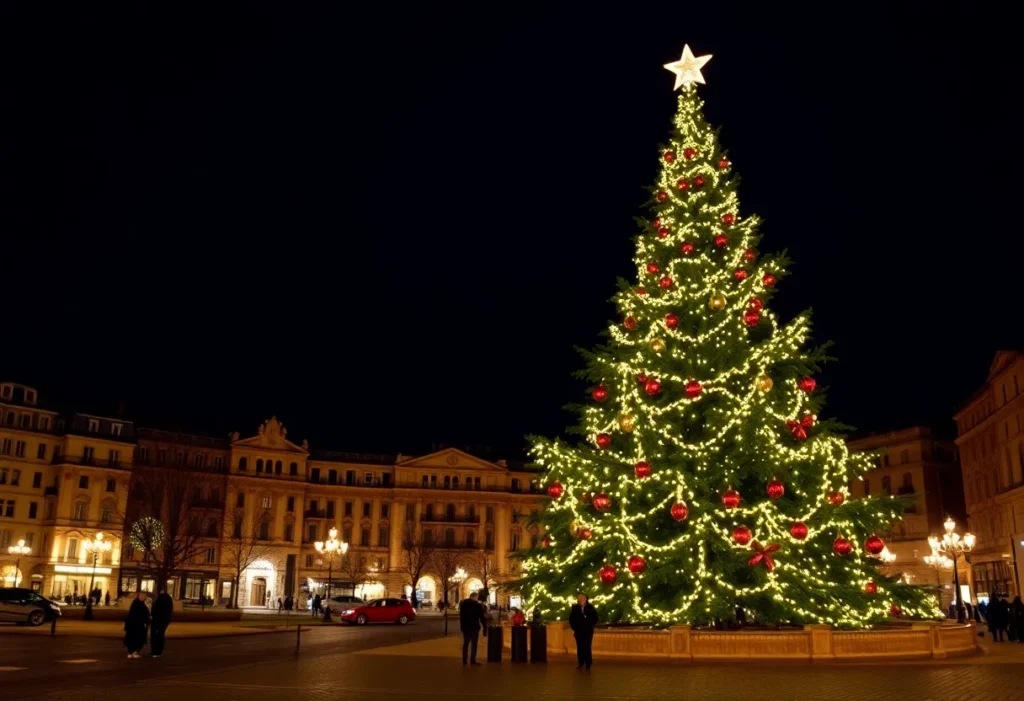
(383, 535)
(906, 488)
(7, 539)
(348, 508)
(7, 391)
(199, 460)
(24, 420)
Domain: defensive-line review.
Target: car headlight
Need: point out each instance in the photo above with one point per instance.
(55, 607)
(347, 612)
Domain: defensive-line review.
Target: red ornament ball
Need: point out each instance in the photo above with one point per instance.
(693, 389)
(636, 564)
(662, 196)
(836, 498)
(641, 378)
(686, 248)
(603, 440)
(874, 545)
(608, 574)
(755, 304)
(641, 291)
(807, 421)
(698, 181)
(798, 431)
(652, 387)
(807, 384)
(600, 393)
(841, 546)
(723, 163)
(547, 542)
(656, 223)
(768, 279)
(669, 156)
(679, 511)
(671, 321)
(663, 232)
(798, 530)
(742, 535)
(752, 318)
(776, 489)
(584, 534)
(871, 588)
(642, 469)
(721, 240)
(740, 274)
(653, 268)
(895, 611)
(731, 498)
(683, 184)
(629, 322)
(750, 255)
(729, 219)
(602, 502)
(665, 282)
(555, 490)
(689, 153)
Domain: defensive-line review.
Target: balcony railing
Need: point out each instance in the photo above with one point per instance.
(90, 461)
(325, 479)
(529, 489)
(442, 518)
(315, 513)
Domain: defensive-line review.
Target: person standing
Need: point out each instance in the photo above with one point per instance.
(471, 618)
(163, 606)
(316, 605)
(135, 624)
(997, 615)
(582, 620)
(1017, 612)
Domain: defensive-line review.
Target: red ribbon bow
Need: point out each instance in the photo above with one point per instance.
(797, 429)
(764, 554)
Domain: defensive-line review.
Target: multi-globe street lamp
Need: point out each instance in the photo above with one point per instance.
(18, 551)
(938, 562)
(330, 548)
(954, 547)
(96, 546)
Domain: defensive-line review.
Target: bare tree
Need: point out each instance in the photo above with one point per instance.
(446, 563)
(166, 510)
(353, 568)
(244, 543)
(416, 556)
(483, 563)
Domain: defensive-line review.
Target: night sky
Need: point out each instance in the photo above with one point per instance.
(391, 228)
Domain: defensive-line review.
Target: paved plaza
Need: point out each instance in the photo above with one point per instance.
(384, 663)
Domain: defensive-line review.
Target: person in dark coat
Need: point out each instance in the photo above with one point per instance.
(582, 620)
(135, 624)
(997, 618)
(1017, 614)
(163, 607)
(316, 605)
(471, 618)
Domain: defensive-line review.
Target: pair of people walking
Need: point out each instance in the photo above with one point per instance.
(140, 620)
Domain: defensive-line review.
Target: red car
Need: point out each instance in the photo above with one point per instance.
(398, 611)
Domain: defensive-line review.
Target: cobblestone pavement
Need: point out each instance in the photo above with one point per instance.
(383, 677)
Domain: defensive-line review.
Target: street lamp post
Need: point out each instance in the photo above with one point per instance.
(95, 546)
(954, 547)
(18, 550)
(329, 548)
(938, 562)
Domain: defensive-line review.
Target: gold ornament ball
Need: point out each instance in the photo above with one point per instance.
(627, 422)
(717, 302)
(657, 345)
(764, 383)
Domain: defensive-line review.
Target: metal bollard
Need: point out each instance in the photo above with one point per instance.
(495, 640)
(519, 644)
(538, 643)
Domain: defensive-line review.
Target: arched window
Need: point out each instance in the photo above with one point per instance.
(887, 485)
(259, 465)
(455, 482)
(449, 512)
(447, 482)
(470, 539)
(278, 467)
(293, 469)
(243, 464)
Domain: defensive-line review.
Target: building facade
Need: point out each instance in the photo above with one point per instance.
(255, 507)
(991, 442)
(914, 465)
(63, 480)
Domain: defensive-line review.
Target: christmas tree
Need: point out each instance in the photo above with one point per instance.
(707, 480)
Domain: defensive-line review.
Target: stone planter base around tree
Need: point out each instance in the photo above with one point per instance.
(812, 643)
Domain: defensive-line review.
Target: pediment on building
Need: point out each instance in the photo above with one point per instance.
(452, 459)
(272, 435)
(1002, 361)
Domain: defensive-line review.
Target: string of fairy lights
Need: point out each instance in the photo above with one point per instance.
(700, 306)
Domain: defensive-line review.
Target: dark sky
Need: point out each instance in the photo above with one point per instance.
(391, 228)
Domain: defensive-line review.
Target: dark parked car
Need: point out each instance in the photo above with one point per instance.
(26, 606)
